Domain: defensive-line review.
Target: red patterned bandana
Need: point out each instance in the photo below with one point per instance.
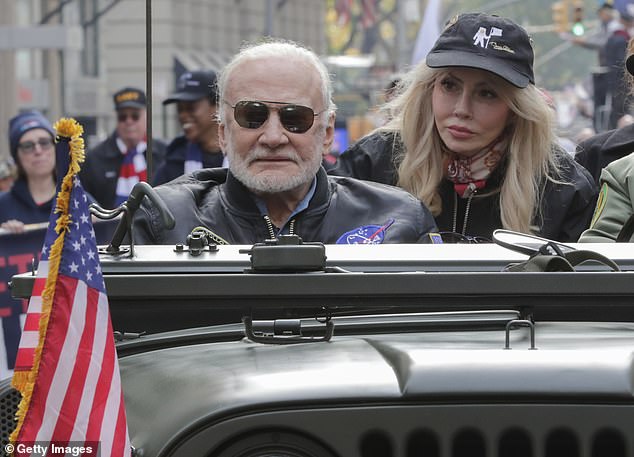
(471, 173)
(133, 169)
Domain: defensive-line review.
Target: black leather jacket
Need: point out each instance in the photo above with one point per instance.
(598, 151)
(566, 208)
(341, 210)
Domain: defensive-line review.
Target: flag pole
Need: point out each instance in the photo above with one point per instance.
(148, 85)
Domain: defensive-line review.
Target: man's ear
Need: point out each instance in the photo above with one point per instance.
(221, 136)
(329, 137)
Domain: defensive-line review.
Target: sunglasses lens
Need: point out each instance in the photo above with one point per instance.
(122, 117)
(45, 143)
(294, 118)
(29, 146)
(251, 115)
(297, 118)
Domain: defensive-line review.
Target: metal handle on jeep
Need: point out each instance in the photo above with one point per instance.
(519, 323)
(128, 208)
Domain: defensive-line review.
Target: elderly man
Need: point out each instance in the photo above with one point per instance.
(115, 165)
(276, 119)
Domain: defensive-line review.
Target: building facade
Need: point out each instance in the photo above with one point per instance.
(100, 46)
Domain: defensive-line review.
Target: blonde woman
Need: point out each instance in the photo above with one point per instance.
(473, 138)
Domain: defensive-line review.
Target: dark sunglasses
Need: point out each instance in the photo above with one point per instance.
(455, 237)
(29, 146)
(122, 117)
(253, 115)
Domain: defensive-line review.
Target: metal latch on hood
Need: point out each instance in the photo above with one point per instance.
(282, 331)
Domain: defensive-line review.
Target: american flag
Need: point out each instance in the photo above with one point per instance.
(67, 354)
(343, 9)
(368, 15)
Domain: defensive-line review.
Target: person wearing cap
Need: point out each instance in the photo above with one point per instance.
(600, 149)
(29, 201)
(276, 120)
(472, 137)
(611, 155)
(596, 40)
(114, 166)
(196, 102)
(615, 53)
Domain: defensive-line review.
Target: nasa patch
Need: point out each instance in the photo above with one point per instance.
(366, 234)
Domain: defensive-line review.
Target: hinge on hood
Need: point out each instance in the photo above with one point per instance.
(283, 331)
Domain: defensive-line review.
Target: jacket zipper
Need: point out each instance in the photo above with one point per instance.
(472, 191)
(270, 228)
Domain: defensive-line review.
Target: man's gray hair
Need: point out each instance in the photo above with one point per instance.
(277, 48)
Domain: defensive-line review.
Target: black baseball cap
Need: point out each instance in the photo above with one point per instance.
(486, 42)
(194, 85)
(129, 97)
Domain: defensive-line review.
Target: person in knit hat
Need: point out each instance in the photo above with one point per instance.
(31, 142)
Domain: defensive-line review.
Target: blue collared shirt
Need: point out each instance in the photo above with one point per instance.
(301, 206)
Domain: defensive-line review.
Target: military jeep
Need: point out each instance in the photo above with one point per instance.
(298, 349)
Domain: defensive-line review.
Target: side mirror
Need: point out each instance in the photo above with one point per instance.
(529, 244)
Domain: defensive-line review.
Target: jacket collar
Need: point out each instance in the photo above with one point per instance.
(618, 140)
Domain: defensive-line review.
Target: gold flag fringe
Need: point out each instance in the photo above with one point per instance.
(67, 130)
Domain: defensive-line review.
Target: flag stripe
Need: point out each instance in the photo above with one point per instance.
(74, 389)
(68, 292)
(58, 325)
(30, 337)
(113, 426)
(110, 414)
(26, 349)
(99, 402)
(32, 323)
(35, 304)
(120, 441)
(99, 345)
(24, 359)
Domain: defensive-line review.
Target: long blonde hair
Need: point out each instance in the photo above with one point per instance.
(531, 159)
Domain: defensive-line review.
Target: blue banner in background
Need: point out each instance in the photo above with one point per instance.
(623, 6)
(19, 254)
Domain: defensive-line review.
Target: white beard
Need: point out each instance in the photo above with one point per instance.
(272, 182)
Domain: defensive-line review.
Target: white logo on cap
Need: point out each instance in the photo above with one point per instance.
(482, 39)
(186, 80)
